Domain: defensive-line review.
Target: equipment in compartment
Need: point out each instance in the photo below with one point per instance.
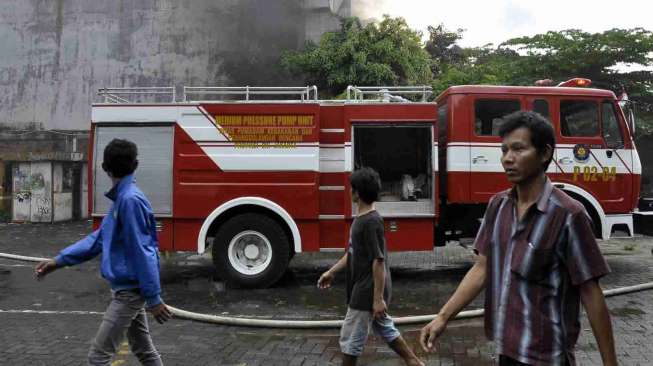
(401, 154)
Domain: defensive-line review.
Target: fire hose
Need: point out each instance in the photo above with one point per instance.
(314, 324)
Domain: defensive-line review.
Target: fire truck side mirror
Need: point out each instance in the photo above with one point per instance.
(628, 108)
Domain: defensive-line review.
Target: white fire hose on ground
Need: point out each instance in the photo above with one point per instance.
(314, 324)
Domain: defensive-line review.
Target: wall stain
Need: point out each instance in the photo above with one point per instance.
(58, 32)
(66, 50)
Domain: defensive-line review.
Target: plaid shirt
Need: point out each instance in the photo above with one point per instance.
(534, 269)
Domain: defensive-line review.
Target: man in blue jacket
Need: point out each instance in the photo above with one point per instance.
(130, 262)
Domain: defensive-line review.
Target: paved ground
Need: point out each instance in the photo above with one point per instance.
(422, 282)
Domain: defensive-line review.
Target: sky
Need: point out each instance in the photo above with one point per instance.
(494, 21)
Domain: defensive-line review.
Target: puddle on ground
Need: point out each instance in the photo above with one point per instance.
(296, 296)
(5, 275)
(626, 311)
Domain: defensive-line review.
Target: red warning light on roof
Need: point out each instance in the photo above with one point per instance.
(576, 82)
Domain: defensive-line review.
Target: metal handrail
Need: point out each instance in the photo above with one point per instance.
(388, 93)
(120, 95)
(305, 93)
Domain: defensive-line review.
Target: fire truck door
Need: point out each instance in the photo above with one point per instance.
(590, 152)
(542, 106)
(617, 162)
(487, 175)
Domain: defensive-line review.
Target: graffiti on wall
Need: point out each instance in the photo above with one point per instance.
(43, 206)
(41, 185)
(21, 181)
(37, 182)
(41, 203)
(22, 191)
(23, 196)
(43, 192)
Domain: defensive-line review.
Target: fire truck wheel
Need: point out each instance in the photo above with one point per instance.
(251, 250)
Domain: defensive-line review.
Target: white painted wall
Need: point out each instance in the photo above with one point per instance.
(41, 182)
(57, 172)
(63, 206)
(62, 196)
(22, 192)
(55, 54)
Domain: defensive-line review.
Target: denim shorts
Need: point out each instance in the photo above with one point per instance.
(356, 328)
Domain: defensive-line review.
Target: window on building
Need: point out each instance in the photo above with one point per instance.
(579, 118)
(489, 113)
(67, 177)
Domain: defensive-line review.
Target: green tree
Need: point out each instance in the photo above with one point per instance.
(561, 56)
(455, 65)
(443, 49)
(384, 53)
(483, 65)
(597, 56)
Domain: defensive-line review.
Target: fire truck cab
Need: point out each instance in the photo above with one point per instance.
(257, 175)
(595, 160)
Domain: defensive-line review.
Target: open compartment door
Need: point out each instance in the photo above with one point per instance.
(402, 154)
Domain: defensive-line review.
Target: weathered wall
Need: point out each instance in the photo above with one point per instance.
(41, 193)
(55, 54)
(22, 192)
(83, 198)
(62, 195)
(47, 191)
(34, 145)
(320, 16)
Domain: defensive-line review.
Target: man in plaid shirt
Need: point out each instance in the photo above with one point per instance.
(537, 261)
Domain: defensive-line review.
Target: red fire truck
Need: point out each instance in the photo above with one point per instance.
(257, 175)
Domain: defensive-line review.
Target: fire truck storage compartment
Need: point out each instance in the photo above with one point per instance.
(154, 172)
(402, 155)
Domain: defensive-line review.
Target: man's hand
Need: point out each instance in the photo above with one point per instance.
(160, 312)
(379, 308)
(45, 267)
(431, 332)
(325, 280)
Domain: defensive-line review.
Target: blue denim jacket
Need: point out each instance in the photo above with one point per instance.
(128, 243)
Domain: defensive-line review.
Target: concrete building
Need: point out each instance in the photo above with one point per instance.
(56, 54)
(324, 16)
(44, 175)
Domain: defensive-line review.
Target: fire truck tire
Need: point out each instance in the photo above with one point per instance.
(251, 251)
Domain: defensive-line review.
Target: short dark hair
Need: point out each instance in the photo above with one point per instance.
(366, 182)
(542, 133)
(120, 158)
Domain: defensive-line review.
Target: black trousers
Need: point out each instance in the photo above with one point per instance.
(507, 361)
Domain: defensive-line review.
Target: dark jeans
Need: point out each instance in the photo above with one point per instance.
(507, 361)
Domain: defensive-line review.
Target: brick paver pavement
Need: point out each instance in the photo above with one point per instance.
(63, 339)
